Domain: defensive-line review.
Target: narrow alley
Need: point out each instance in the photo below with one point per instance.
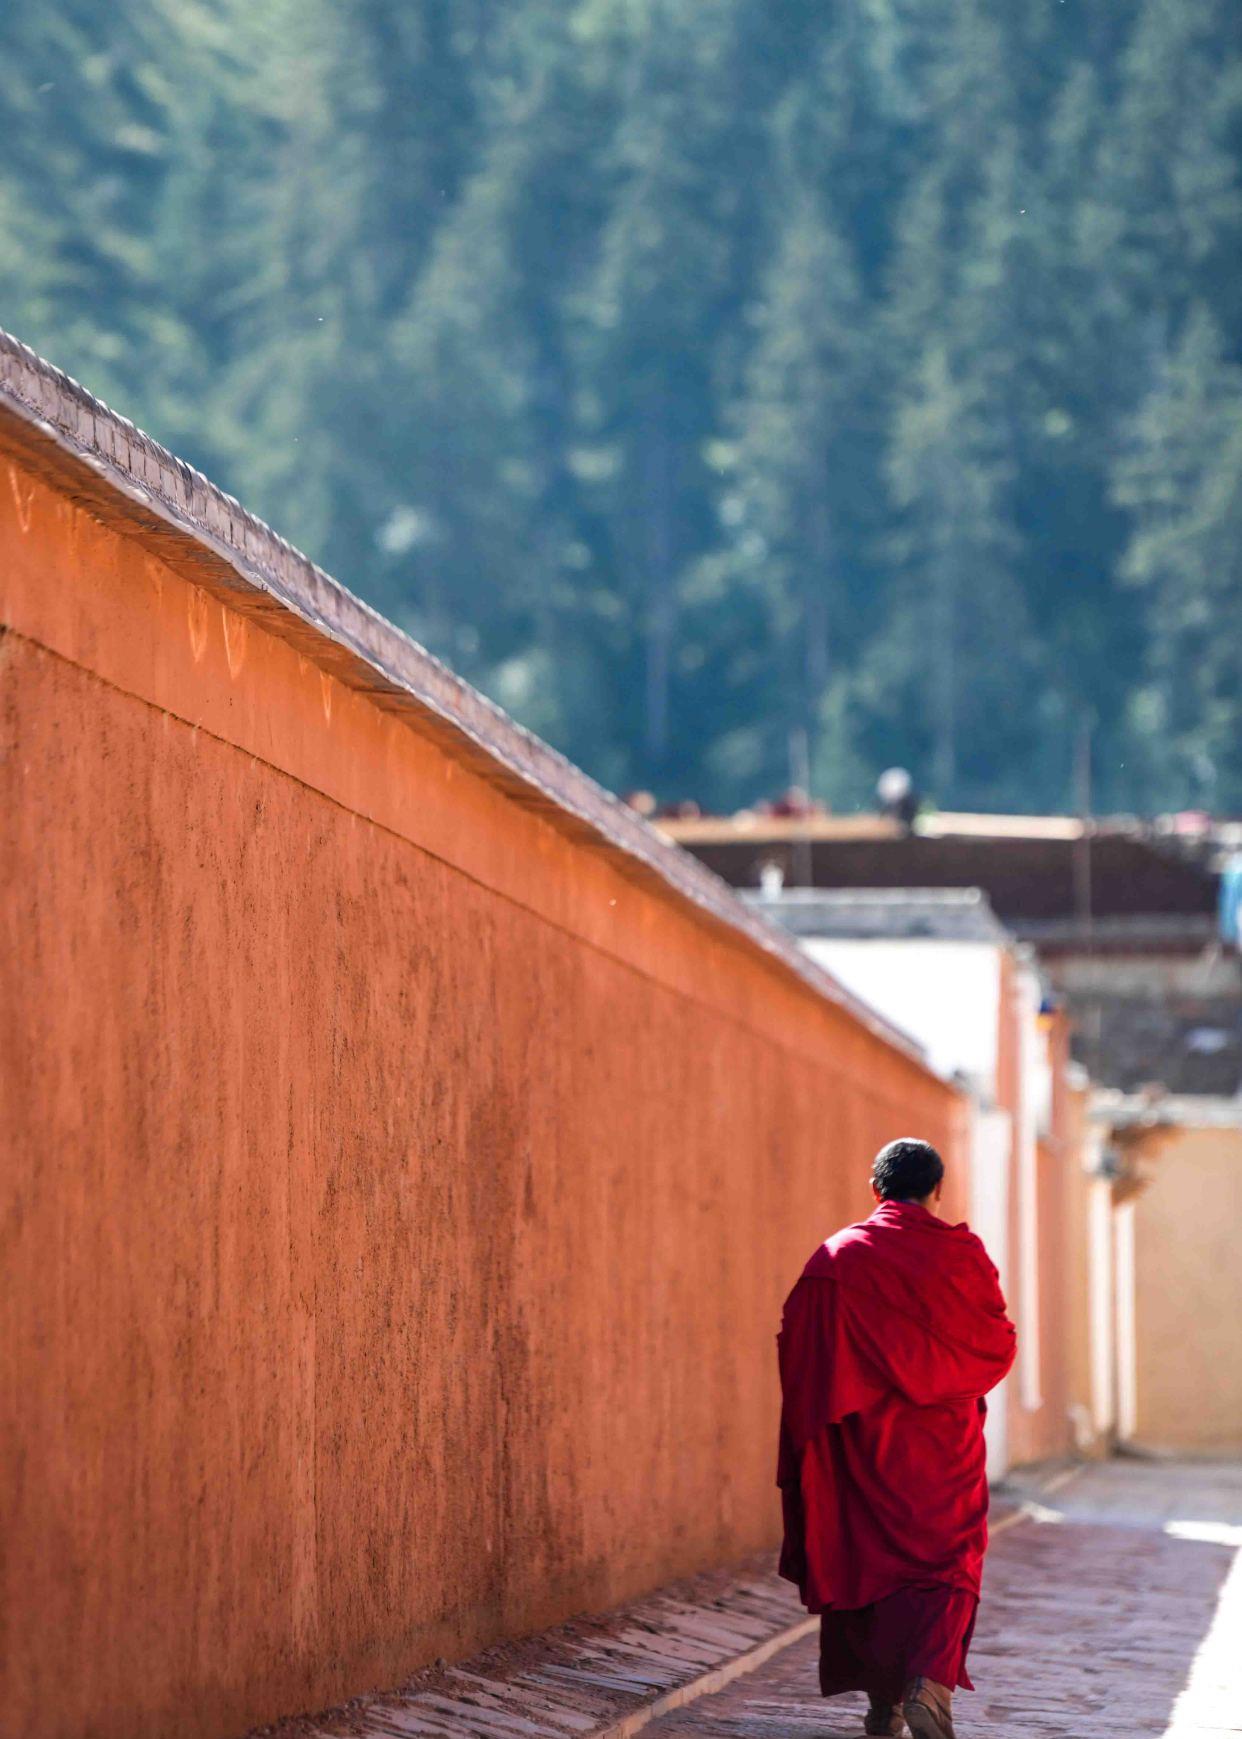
(410, 1147)
(1111, 1606)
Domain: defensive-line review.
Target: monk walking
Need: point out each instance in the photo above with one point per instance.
(890, 1340)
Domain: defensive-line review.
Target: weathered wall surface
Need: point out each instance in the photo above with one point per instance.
(1187, 1295)
(398, 1200)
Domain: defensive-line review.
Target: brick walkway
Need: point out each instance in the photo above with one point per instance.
(1115, 1610)
(592, 1676)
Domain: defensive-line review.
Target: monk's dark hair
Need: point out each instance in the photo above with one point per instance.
(906, 1170)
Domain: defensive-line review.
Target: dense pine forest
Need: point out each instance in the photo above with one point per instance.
(721, 385)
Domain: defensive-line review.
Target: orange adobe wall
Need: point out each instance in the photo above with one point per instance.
(398, 1199)
(1049, 1420)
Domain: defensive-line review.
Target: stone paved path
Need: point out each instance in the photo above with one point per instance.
(1115, 1609)
(1113, 1606)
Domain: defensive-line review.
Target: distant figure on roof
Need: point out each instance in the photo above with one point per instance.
(795, 802)
(890, 1340)
(897, 797)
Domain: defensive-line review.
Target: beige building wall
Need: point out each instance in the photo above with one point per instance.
(1185, 1384)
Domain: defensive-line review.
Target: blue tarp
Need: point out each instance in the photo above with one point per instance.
(1231, 900)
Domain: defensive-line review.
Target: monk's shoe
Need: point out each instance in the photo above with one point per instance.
(927, 1708)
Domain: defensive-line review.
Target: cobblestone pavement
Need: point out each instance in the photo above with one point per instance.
(1114, 1608)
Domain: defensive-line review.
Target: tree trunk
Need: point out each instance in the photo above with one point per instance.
(661, 607)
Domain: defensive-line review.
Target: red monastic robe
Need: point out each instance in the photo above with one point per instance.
(890, 1340)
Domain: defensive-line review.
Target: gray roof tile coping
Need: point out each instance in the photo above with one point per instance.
(884, 914)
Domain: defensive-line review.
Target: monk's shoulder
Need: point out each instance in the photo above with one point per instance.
(805, 1297)
(819, 1264)
(838, 1257)
(963, 1236)
(974, 1247)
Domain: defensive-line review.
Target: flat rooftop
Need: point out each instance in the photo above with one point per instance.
(1033, 869)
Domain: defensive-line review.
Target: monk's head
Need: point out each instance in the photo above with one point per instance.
(907, 1170)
